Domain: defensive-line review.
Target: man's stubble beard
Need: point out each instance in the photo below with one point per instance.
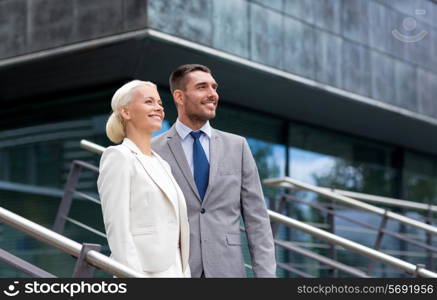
(199, 118)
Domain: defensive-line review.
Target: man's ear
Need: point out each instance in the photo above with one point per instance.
(178, 97)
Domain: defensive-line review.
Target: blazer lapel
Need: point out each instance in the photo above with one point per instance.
(214, 145)
(155, 178)
(174, 142)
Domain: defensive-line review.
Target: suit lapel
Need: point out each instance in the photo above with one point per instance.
(214, 151)
(174, 142)
(149, 170)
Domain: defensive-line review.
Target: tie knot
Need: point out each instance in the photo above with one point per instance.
(196, 134)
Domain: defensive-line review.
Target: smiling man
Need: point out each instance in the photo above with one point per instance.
(219, 178)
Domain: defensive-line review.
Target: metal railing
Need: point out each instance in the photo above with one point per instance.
(380, 229)
(288, 182)
(331, 211)
(352, 246)
(87, 255)
(386, 200)
(373, 254)
(90, 146)
(70, 192)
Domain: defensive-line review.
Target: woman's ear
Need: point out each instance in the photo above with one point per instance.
(124, 113)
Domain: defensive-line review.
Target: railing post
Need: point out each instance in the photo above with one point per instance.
(378, 240)
(278, 208)
(67, 198)
(279, 205)
(83, 269)
(429, 238)
(330, 218)
(416, 272)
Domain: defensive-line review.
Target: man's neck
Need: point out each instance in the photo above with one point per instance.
(192, 124)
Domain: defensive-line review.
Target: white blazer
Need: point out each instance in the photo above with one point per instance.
(140, 218)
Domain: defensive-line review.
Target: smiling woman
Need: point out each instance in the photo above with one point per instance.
(144, 113)
(130, 104)
(144, 210)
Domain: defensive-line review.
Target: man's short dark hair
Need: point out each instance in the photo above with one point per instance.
(177, 78)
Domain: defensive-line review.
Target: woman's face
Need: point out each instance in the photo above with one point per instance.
(144, 112)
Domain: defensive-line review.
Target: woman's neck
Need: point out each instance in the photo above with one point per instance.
(142, 140)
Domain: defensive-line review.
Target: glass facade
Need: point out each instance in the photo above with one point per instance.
(328, 159)
(35, 161)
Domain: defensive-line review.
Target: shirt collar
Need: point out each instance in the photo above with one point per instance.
(183, 130)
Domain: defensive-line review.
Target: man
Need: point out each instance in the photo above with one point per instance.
(218, 176)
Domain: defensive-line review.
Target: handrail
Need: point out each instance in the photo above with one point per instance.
(321, 259)
(288, 182)
(288, 197)
(65, 244)
(385, 200)
(352, 246)
(93, 147)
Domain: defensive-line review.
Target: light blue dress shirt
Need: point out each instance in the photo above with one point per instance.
(187, 140)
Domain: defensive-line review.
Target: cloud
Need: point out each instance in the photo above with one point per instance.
(305, 164)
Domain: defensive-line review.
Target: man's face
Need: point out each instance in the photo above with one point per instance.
(199, 99)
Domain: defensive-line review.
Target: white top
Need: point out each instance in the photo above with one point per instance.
(187, 141)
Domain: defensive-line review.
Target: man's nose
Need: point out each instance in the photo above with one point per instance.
(213, 94)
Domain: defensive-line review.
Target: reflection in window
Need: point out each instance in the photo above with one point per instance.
(421, 178)
(332, 160)
(270, 161)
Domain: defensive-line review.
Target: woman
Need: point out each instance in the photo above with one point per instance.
(144, 210)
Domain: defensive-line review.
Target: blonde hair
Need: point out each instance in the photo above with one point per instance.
(115, 129)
